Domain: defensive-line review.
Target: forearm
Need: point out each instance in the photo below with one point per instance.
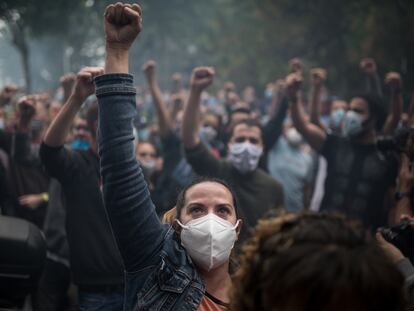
(191, 120)
(273, 129)
(164, 120)
(396, 112)
(126, 195)
(59, 129)
(373, 84)
(116, 61)
(315, 107)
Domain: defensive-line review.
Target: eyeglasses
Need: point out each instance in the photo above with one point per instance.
(242, 139)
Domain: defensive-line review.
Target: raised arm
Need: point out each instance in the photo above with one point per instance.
(317, 80)
(372, 81)
(126, 196)
(59, 129)
(394, 82)
(164, 118)
(201, 78)
(313, 134)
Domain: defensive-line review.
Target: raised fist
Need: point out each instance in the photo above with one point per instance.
(176, 77)
(393, 81)
(26, 109)
(67, 81)
(368, 66)
(84, 85)
(123, 23)
(149, 69)
(295, 65)
(229, 87)
(317, 77)
(9, 91)
(201, 78)
(293, 85)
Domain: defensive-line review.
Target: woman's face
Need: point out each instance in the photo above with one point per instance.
(208, 197)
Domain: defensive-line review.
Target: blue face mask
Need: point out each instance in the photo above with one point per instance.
(80, 144)
(337, 117)
(353, 124)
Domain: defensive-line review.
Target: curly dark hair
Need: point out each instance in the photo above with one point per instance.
(315, 262)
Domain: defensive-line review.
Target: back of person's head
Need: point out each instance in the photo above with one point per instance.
(315, 262)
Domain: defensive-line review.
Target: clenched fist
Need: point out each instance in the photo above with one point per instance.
(201, 78)
(368, 66)
(84, 85)
(393, 81)
(293, 86)
(149, 69)
(123, 23)
(317, 77)
(295, 65)
(26, 110)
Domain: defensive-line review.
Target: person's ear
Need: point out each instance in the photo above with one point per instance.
(239, 227)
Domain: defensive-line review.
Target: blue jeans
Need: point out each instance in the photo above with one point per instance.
(88, 301)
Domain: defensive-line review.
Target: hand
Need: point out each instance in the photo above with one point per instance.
(84, 85)
(406, 175)
(390, 250)
(317, 77)
(295, 65)
(32, 201)
(368, 66)
(176, 77)
(149, 69)
(123, 23)
(67, 81)
(8, 92)
(293, 86)
(229, 87)
(393, 81)
(201, 78)
(26, 110)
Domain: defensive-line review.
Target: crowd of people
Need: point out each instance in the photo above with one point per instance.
(189, 199)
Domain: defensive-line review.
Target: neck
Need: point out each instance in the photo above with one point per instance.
(218, 281)
(368, 138)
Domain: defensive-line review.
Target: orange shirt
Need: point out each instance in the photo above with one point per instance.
(209, 305)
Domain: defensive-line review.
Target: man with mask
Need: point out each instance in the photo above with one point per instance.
(257, 191)
(359, 177)
(291, 161)
(96, 264)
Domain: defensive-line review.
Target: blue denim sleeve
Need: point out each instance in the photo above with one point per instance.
(137, 229)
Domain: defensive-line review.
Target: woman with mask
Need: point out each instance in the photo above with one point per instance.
(180, 268)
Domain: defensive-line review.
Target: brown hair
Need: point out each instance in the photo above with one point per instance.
(315, 262)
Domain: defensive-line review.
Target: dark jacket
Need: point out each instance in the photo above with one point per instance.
(159, 273)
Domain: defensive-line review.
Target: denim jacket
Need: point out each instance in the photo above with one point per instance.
(159, 273)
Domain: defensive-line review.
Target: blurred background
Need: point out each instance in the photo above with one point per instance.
(249, 41)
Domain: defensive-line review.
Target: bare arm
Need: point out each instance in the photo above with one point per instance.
(164, 119)
(394, 82)
(318, 76)
(60, 127)
(201, 78)
(313, 134)
(369, 69)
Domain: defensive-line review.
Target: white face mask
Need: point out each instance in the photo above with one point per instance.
(148, 166)
(245, 156)
(293, 137)
(208, 240)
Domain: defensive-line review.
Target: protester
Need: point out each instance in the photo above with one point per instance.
(315, 262)
(359, 177)
(94, 258)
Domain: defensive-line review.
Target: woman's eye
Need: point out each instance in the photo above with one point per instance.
(195, 210)
(224, 210)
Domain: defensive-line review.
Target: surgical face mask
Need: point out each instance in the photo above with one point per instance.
(337, 118)
(268, 93)
(208, 240)
(148, 167)
(208, 133)
(245, 156)
(80, 144)
(353, 124)
(293, 137)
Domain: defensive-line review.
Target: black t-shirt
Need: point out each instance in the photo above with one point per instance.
(358, 178)
(94, 256)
